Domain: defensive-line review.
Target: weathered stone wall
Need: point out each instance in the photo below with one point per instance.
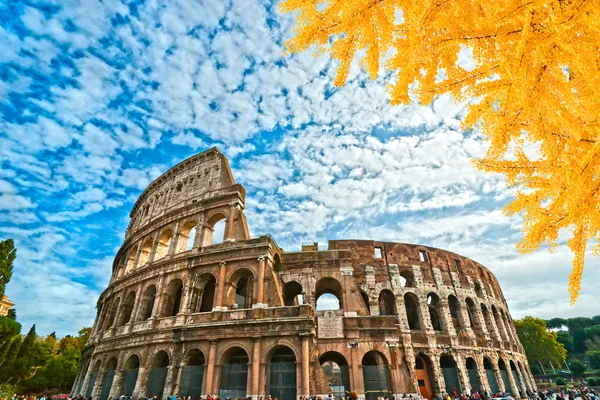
(176, 299)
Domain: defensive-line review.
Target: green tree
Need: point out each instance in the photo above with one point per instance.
(8, 253)
(577, 367)
(566, 339)
(555, 323)
(577, 328)
(541, 345)
(560, 381)
(596, 319)
(593, 357)
(12, 314)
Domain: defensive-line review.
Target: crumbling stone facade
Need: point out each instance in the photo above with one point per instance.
(183, 315)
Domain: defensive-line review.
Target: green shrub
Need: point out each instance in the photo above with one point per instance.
(560, 381)
(592, 381)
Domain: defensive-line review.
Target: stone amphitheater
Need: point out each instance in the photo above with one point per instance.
(191, 314)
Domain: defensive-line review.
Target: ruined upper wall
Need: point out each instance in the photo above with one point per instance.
(200, 177)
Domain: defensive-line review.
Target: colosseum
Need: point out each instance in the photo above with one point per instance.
(189, 313)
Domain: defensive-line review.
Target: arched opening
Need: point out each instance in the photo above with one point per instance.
(328, 293)
(164, 242)
(478, 290)
(376, 376)
(187, 236)
(192, 374)
(411, 303)
(147, 305)
(130, 375)
(292, 294)
(387, 303)
(499, 323)
(234, 374)
(518, 382)
(203, 294)
(487, 318)
(524, 375)
(504, 375)
(127, 309)
(472, 312)
(506, 325)
(158, 375)
(450, 372)
(131, 259)
(145, 253)
(240, 292)
(173, 298)
(455, 314)
(407, 278)
(214, 230)
(112, 313)
(489, 373)
(276, 263)
(107, 380)
(336, 370)
(433, 304)
(281, 371)
(365, 299)
(473, 375)
(424, 372)
(92, 381)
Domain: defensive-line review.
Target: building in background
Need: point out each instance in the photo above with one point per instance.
(5, 305)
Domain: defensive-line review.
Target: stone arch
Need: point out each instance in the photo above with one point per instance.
(281, 377)
(292, 293)
(411, 304)
(516, 378)
(335, 367)
(455, 312)
(425, 375)
(241, 288)
(489, 372)
(387, 303)
(331, 286)
(203, 292)
(192, 374)
(107, 378)
(435, 311)
(407, 278)
(164, 242)
(126, 309)
(145, 252)
(376, 375)
(472, 313)
(187, 236)
(172, 299)
(158, 374)
(487, 318)
(131, 258)
(526, 378)
(130, 375)
(147, 303)
(499, 323)
(473, 372)
(234, 373)
(112, 313)
(214, 223)
(451, 374)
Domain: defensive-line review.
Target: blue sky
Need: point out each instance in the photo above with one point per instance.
(99, 98)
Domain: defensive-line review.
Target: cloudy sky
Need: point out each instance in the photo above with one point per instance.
(99, 98)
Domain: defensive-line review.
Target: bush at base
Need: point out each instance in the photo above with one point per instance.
(593, 381)
(560, 381)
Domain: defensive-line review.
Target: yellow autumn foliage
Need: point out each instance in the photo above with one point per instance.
(533, 90)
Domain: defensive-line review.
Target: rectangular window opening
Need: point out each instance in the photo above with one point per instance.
(378, 253)
(422, 256)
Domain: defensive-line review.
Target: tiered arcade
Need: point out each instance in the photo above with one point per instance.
(185, 315)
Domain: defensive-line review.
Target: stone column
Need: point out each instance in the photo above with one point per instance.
(187, 288)
(229, 227)
(178, 373)
(199, 238)
(174, 240)
(446, 316)
(437, 371)
(220, 288)
(402, 317)
(521, 380)
(260, 285)
(305, 365)
(171, 372)
(137, 257)
(499, 379)
(254, 390)
(153, 249)
(116, 384)
(348, 280)
(511, 381)
(425, 318)
(210, 368)
(356, 379)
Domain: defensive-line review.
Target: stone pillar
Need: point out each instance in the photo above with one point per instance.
(440, 383)
(137, 257)
(174, 240)
(220, 288)
(153, 249)
(116, 384)
(521, 381)
(511, 381)
(425, 318)
(499, 379)
(178, 373)
(446, 316)
(254, 390)
(199, 238)
(137, 389)
(260, 284)
(373, 307)
(171, 372)
(402, 317)
(348, 283)
(229, 227)
(210, 368)
(305, 391)
(356, 374)
(187, 289)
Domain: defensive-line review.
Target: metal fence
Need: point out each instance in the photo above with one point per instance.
(282, 380)
(504, 376)
(451, 380)
(91, 384)
(129, 380)
(377, 381)
(233, 380)
(474, 380)
(106, 384)
(191, 381)
(339, 380)
(156, 382)
(517, 380)
(491, 380)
